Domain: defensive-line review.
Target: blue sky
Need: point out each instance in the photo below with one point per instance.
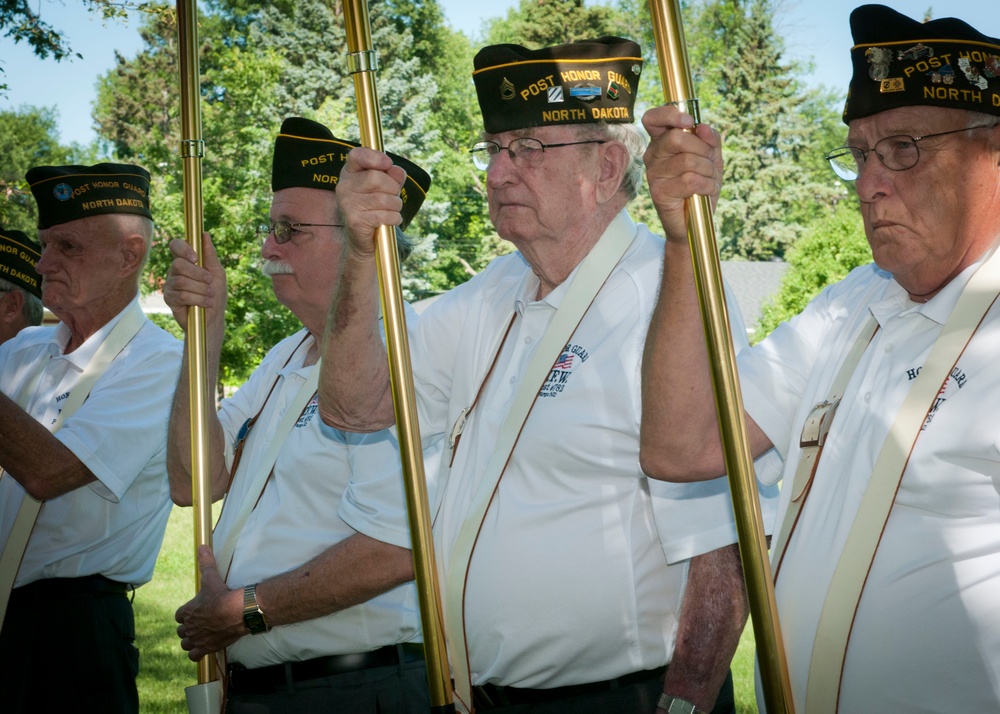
(813, 29)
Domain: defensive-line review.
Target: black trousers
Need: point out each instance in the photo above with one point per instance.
(400, 689)
(68, 645)
(637, 697)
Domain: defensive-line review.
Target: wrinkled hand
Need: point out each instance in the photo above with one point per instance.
(188, 284)
(368, 196)
(213, 620)
(680, 163)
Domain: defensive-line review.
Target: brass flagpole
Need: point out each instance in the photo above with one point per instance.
(206, 697)
(362, 65)
(675, 73)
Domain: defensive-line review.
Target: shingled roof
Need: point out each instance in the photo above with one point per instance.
(755, 284)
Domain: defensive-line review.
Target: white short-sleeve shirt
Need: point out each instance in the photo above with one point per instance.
(579, 569)
(113, 526)
(927, 633)
(326, 486)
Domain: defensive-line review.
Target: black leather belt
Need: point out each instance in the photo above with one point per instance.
(489, 696)
(264, 680)
(60, 587)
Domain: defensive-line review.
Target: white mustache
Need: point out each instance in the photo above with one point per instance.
(275, 267)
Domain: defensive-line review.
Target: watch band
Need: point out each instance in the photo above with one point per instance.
(253, 617)
(676, 705)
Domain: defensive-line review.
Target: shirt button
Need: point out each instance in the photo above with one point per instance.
(527, 340)
(513, 380)
(868, 396)
(888, 348)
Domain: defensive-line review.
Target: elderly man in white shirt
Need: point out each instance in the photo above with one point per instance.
(887, 561)
(83, 413)
(571, 580)
(312, 598)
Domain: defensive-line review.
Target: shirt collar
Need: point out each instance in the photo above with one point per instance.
(81, 356)
(896, 301)
(529, 286)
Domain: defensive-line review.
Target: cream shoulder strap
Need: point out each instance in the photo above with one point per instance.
(265, 466)
(813, 438)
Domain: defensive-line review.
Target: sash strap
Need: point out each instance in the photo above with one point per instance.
(265, 466)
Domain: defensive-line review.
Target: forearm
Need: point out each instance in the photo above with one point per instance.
(679, 435)
(347, 574)
(35, 458)
(179, 441)
(713, 614)
(354, 390)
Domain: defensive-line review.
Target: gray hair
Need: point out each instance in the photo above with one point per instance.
(32, 309)
(982, 119)
(634, 141)
(404, 245)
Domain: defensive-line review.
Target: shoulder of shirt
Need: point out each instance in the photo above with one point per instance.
(154, 333)
(646, 246)
(28, 338)
(503, 273)
(863, 278)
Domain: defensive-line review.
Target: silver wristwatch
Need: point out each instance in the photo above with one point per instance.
(676, 705)
(253, 617)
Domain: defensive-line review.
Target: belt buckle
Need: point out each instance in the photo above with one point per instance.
(817, 424)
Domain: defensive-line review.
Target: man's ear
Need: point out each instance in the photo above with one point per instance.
(11, 305)
(612, 165)
(133, 253)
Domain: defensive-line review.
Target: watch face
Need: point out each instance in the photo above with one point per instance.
(255, 622)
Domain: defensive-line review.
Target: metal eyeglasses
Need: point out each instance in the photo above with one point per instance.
(897, 153)
(524, 151)
(284, 230)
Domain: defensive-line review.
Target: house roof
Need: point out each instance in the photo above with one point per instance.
(755, 284)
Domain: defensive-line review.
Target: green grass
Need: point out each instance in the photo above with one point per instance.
(746, 701)
(164, 669)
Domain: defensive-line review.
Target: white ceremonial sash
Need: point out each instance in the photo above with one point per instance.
(121, 334)
(264, 468)
(590, 278)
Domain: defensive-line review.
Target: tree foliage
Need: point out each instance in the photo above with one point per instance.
(540, 23)
(263, 61)
(21, 23)
(28, 137)
(771, 186)
(833, 246)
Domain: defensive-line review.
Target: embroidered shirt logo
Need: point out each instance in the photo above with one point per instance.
(955, 381)
(309, 412)
(571, 358)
